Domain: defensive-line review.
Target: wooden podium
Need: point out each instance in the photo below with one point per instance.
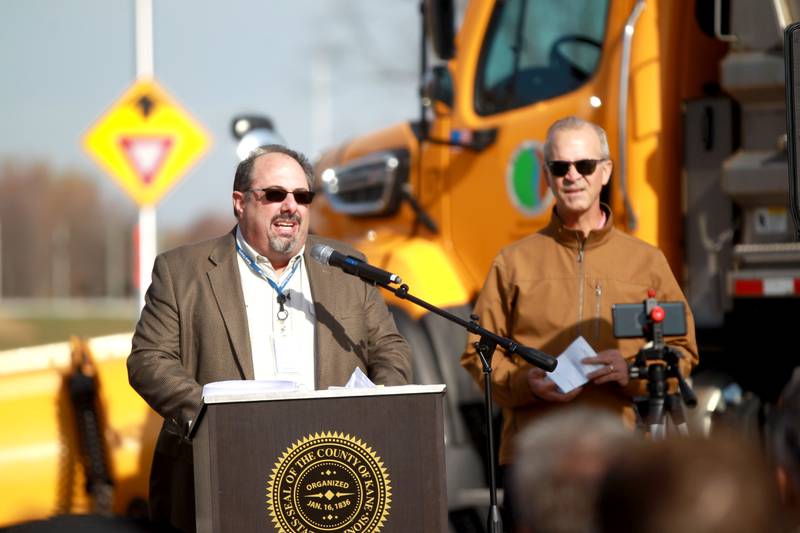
(355, 460)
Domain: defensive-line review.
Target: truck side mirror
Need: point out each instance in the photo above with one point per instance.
(438, 86)
(440, 15)
(791, 50)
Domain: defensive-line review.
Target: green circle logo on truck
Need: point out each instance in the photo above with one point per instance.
(525, 179)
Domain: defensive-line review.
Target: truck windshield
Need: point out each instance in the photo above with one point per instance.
(538, 49)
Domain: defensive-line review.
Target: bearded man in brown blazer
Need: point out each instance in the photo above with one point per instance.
(252, 305)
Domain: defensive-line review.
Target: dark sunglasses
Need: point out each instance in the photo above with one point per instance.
(584, 167)
(278, 194)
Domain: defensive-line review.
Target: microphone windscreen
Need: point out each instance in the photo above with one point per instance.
(321, 253)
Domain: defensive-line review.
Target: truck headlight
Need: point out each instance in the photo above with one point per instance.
(369, 185)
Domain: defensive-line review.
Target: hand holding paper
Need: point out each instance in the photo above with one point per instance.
(570, 372)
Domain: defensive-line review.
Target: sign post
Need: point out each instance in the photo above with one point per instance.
(146, 142)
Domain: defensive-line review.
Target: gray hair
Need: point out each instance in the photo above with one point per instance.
(571, 124)
(561, 459)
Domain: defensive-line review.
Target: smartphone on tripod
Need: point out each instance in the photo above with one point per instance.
(654, 320)
(631, 320)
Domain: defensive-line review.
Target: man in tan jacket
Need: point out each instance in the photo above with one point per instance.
(558, 284)
(252, 305)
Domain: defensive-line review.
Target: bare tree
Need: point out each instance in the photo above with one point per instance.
(58, 234)
(202, 228)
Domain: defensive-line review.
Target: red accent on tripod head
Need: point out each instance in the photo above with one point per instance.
(657, 314)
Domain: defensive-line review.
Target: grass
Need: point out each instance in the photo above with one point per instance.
(19, 333)
(22, 326)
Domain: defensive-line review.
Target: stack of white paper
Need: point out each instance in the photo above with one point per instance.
(247, 386)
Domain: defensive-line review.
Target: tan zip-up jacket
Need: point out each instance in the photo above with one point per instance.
(547, 289)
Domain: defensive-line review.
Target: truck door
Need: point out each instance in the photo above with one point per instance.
(521, 65)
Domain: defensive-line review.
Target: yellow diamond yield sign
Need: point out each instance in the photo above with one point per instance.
(146, 141)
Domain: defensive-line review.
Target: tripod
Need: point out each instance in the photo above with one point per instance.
(653, 409)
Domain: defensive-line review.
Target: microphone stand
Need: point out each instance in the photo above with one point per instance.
(485, 348)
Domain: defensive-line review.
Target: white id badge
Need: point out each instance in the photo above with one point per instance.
(285, 352)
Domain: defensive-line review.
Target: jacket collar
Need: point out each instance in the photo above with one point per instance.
(326, 294)
(227, 287)
(573, 238)
(321, 291)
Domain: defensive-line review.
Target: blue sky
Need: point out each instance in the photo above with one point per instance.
(64, 64)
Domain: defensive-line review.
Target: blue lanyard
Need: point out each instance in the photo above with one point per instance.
(282, 313)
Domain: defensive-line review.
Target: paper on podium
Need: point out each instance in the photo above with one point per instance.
(248, 391)
(570, 373)
(247, 386)
(359, 380)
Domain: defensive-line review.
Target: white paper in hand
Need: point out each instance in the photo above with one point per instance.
(570, 372)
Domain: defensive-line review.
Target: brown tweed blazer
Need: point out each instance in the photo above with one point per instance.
(193, 330)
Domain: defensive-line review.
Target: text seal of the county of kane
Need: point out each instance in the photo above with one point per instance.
(329, 482)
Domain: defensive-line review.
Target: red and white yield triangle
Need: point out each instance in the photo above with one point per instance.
(146, 154)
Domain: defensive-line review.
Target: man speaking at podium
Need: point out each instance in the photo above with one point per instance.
(252, 305)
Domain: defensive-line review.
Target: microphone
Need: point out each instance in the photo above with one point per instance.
(352, 265)
(537, 358)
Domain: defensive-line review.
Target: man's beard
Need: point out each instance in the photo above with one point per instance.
(283, 245)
